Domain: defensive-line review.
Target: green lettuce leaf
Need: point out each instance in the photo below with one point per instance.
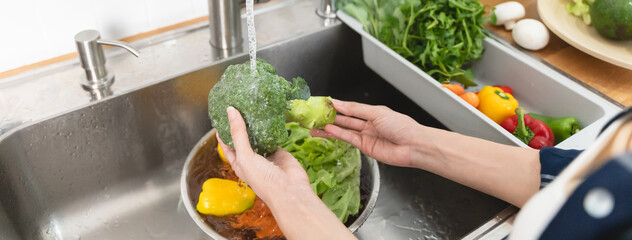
(333, 168)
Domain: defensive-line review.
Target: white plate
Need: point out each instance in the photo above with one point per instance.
(581, 36)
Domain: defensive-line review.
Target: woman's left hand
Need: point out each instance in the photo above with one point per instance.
(263, 175)
(281, 182)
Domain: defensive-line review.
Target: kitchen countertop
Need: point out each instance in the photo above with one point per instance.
(612, 81)
(41, 92)
(52, 89)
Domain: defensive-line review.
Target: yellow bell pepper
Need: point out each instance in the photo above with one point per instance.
(496, 104)
(221, 197)
(221, 153)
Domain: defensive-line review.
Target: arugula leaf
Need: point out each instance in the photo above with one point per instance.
(439, 36)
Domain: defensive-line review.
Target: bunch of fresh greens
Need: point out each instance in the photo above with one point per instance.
(439, 36)
(580, 8)
(333, 168)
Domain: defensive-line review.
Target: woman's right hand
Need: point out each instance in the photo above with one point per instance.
(506, 172)
(378, 131)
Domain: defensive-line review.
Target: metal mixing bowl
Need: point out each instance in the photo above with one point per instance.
(369, 182)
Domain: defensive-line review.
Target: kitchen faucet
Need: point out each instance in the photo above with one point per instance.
(327, 9)
(225, 21)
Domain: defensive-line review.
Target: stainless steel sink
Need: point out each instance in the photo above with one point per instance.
(110, 170)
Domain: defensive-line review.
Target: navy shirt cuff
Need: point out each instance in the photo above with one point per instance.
(553, 161)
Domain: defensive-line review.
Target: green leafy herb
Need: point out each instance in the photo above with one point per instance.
(439, 36)
(332, 166)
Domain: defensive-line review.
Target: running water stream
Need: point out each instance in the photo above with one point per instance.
(252, 36)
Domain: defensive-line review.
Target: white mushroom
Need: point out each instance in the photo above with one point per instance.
(507, 13)
(531, 34)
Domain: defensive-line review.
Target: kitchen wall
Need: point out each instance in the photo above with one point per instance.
(36, 30)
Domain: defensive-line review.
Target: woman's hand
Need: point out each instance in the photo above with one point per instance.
(506, 172)
(377, 131)
(263, 175)
(282, 184)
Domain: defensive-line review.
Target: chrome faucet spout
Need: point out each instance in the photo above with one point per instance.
(327, 9)
(225, 23)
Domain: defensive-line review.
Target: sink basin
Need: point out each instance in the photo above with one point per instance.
(111, 170)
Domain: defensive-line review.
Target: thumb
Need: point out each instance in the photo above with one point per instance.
(238, 131)
(242, 155)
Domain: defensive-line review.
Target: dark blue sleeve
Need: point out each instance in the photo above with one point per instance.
(553, 161)
(600, 207)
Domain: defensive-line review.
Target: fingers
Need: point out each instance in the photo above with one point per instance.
(289, 165)
(235, 163)
(346, 135)
(320, 133)
(363, 111)
(238, 130)
(350, 123)
(284, 159)
(336, 132)
(242, 155)
(229, 152)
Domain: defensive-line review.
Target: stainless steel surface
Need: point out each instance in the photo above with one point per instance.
(97, 78)
(225, 23)
(120, 44)
(52, 90)
(370, 178)
(415, 204)
(111, 169)
(327, 9)
(496, 228)
(370, 168)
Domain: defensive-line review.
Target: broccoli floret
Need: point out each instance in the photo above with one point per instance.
(263, 99)
(299, 90)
